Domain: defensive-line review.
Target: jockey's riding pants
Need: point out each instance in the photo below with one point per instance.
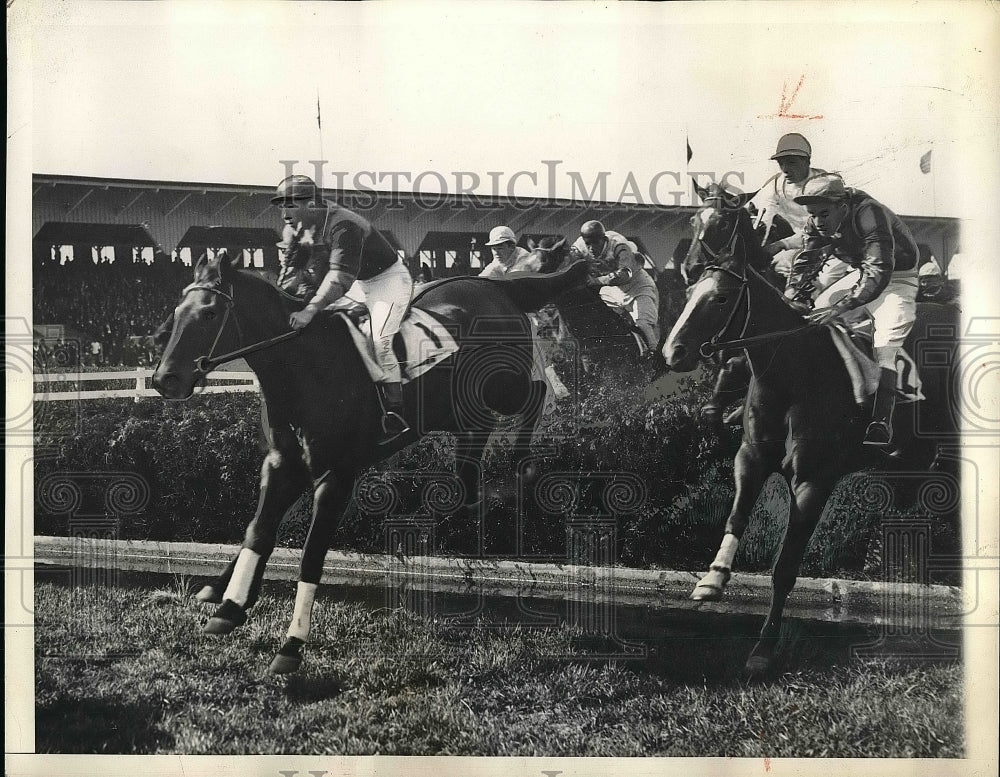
(387, 296)
(893, 311)
(642, 301)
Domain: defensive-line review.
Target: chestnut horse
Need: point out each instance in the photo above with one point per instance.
(322, 410)
(800, 417)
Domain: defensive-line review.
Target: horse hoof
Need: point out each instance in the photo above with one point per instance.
(226, 618)
(758, 667)
(707, 593)
(711, 586)
(285, 664)
(289, 658)
(210, 595)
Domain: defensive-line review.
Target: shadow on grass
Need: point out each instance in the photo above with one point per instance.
(308, 688)
(67, 725)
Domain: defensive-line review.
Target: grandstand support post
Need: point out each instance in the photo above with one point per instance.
(140, 383)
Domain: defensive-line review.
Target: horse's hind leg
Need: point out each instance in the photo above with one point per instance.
(330, 497)
(283, 479)
(753, 464)
(810, 492)
(529, 419)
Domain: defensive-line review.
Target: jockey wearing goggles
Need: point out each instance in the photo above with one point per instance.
(353, 251)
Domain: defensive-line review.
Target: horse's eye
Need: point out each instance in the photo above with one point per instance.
(209, 314)
(693, 221)
(720, 300)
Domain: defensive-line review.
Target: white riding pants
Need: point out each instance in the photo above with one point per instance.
(893, 311)
(387, 296)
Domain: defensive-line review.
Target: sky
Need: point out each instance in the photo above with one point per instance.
(534, 99)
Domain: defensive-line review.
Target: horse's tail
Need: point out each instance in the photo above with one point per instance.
(530, 291)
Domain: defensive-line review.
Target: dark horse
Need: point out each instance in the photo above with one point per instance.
(607, 338)
(322, 410)
(801, 418)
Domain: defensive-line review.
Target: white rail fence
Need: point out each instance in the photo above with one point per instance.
(220, 382)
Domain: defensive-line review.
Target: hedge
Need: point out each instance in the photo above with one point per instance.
(629, 480)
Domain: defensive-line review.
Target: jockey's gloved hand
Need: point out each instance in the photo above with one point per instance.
(301, 318)
(823, 316)
(802, 307)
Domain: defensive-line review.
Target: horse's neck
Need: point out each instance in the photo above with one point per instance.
(770, 314)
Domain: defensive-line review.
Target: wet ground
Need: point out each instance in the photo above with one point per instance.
(659, 636)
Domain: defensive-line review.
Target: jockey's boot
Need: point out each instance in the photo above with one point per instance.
(880, 429)
(393, 423)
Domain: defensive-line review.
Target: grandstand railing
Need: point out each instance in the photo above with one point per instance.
(221, 382)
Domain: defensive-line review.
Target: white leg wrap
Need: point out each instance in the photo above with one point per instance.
(304, 596)
(239, 584)
(727, 552)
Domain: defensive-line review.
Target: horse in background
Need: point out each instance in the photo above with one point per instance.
(801, 418)
(322, 409)
(608, 338)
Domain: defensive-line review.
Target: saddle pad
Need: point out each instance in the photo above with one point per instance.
(864, 371)
(425, 342)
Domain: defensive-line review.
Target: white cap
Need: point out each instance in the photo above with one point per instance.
(500, 235)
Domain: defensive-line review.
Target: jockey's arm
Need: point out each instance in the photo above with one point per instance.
(345, 243)
(805, 268)
(879, 257)
(627, 267)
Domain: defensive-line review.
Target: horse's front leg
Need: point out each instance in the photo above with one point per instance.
(730, 386)
(753, 464)
(330, 498)
(283, 480)
(811, 486)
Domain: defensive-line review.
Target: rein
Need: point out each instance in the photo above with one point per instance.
(207, 363)
(716, 343)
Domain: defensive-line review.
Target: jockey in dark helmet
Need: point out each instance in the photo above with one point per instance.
(621, 281)
(352, 251)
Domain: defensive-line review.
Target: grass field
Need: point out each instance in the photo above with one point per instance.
(127, 670)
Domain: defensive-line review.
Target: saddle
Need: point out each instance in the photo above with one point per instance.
(421, 342)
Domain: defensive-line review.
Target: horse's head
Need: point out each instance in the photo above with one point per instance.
(201, 325)
(723, 232)
(715, 269)
(546, 256)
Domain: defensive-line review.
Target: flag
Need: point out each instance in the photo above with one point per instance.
(925, 162)
(689, 152)
(319, 123)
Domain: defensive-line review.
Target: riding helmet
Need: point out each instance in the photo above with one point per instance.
(295, 187)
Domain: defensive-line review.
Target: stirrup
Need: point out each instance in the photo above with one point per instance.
(393, 425)
(878, 433)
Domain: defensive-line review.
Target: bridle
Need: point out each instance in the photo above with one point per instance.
(205, 364)
(716, 343)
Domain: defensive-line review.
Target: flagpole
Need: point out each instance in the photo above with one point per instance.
(319, 127)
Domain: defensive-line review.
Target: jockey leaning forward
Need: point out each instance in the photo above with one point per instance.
(351, 250)
(880, 257)
(621, 282)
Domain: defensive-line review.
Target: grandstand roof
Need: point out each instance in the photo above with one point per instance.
(236, 237)
(76, 233)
